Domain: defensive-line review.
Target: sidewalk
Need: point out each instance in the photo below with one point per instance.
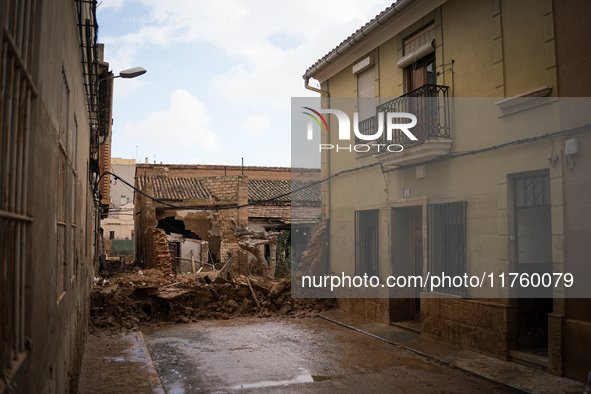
(510, 374)
(118, 363)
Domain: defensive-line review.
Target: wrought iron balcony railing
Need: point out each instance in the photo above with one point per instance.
(429, 103)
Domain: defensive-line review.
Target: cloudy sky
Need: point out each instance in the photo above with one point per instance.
(221, 74)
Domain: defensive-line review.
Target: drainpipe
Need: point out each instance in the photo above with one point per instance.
(322, 92)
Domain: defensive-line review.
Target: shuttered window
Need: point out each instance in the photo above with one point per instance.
(366, 91)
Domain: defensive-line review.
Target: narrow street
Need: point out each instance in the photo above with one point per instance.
(279, 355)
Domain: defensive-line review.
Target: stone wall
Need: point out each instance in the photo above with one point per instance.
(483, 326)
(370, 308)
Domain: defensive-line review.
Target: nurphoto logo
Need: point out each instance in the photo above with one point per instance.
(345, 129)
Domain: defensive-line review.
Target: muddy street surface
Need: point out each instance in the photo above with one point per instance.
(289, 355)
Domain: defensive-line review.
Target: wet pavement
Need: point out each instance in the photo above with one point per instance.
(117, 362)
(294, 355)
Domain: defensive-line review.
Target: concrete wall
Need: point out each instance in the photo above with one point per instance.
(57, 274)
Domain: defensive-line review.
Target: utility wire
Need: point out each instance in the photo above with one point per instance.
(581, 129)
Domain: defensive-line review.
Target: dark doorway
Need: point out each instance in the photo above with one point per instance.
(407, 260)
(416, 258)
(533, 253)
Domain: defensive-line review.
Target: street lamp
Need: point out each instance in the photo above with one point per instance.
(131, 72)
(127, 74)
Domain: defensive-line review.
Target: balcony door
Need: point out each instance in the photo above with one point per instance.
(421, 72)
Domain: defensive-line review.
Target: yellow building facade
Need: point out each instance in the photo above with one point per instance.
(481, 191)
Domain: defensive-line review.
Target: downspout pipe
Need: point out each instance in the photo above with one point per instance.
(312, 88)
(397, 8)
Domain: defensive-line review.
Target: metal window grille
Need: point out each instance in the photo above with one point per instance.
(532, 191)
(17, 19)
(446, 226)
(367, 242)
(533, 219)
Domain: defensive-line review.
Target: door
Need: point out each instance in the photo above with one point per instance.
(533, 254)
(416, 258)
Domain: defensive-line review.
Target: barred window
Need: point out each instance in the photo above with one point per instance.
(16, 177)
(367, 242)
(446, 224)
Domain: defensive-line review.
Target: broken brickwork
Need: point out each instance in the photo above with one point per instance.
(161, 252)
(211, 195)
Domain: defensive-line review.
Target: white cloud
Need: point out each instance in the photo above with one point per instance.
(185, 125)
(256, 125)
(264, 72)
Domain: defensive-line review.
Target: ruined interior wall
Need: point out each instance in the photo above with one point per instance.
(201, 222)
(145, 222)
(232, 189)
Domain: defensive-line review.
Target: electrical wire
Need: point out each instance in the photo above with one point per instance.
(581, 129)
(254, 203)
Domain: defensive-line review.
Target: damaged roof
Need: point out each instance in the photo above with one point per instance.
(263, 189)
(174, 187)
(277, 191)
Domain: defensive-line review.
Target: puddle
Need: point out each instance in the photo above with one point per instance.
(114, 358)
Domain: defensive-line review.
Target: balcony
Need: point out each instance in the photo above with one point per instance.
(430, 104)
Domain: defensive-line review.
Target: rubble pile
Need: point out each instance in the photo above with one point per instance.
(315, 255)
(151, 297)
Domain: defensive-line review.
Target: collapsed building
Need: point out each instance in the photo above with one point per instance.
(186, 222)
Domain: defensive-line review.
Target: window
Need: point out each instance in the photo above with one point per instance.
(533, 219)
(366, 92)
(16, 180)
(366, 105)
(446, 226)
(420, 54)
(367, 242)
(111, 234)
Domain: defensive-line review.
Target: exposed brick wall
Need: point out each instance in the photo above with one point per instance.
(252, 172)
(229, 190)
(161, 252)
(105, 165)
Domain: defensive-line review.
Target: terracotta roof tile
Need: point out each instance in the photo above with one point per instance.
(174, 188)
(260, 190)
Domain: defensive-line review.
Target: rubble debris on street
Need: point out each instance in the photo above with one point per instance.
(150, 296)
